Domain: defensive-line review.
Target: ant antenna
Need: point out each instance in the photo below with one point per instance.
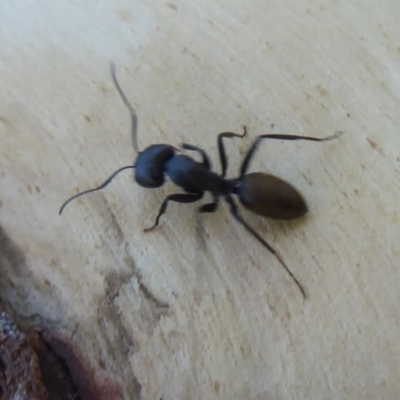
(95, 189)
(134, 119)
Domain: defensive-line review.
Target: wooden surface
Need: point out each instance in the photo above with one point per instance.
(198, 309)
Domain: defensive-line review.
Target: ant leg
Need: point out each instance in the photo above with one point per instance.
(221, 148)
(209, 207)
(239, 218)
(253, 148)
(206, 160)
(179, 198)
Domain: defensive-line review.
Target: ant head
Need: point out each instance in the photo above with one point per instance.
(150, 165)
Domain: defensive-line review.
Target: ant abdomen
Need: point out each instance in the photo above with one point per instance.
(271, 197)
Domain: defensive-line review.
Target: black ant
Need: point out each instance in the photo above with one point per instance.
(261, 193)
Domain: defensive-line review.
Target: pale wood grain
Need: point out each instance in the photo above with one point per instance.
(178, 314)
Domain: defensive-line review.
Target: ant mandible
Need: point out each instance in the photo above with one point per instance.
(261, 193)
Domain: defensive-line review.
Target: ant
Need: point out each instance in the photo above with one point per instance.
(261, 193)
